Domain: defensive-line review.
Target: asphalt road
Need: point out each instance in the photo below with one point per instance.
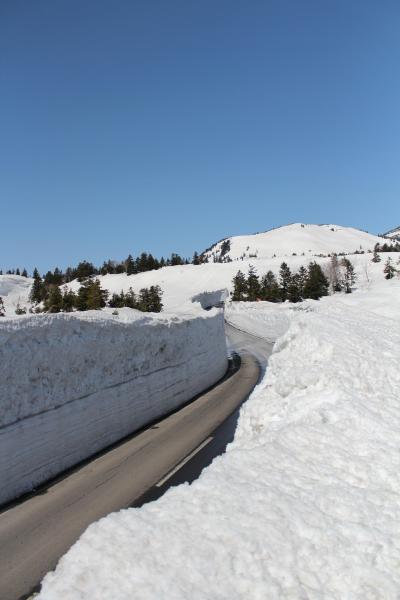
(37, 531)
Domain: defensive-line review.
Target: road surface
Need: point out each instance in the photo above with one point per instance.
(37, 531)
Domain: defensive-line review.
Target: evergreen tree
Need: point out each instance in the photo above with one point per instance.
(376, 258)
(285, 277)
(239, 287)
(349, 276)
(130, 265)
(269, 288)
(82, 296)
(317, 284)
(195, 259)
(96, 296)
(253, 285)
(2, 308)
(130, 299)
(302, 278)
(69, 300)
(37, 291)
(154, 299)
(24, 273)
(294, 292)
(144, 300)
(84, 270)
(389, 269)
(17, 272)
(54, 300)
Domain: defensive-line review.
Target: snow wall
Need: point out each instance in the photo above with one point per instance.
(71, 384)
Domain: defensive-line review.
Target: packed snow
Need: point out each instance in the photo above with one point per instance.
(309, 240)
(71, 384)
(305, 503)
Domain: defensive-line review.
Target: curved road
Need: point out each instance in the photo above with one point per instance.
(37, 531)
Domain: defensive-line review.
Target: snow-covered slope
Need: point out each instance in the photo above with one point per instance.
(306, 501)
(181, 284)
(71, 384)
(310, 240)
(393, 234)
(14, 290)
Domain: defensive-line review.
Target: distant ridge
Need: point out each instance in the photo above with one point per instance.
(296, 238)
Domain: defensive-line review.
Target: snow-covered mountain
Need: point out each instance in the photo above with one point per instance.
(393, 234)
(297, 244)
(298, 238)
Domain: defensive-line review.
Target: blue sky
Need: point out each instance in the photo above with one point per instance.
(165, 126)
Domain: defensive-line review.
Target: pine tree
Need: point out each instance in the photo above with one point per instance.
(130, 265)
(317, 284)
(389, 269)
(195, 259)
(154, 299)
(253, 285)
(144, 300)
(96, 296)
(376, 258)
(130, 299)
(24, 273)
(285, 277)
(37, 291)
(269, 288)
(2, 308)
(302, 278)
(54, 300)
(17, 272)
(69, 300)
(239, 293)
(349, 276)
(294, 293)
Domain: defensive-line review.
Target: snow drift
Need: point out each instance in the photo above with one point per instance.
(306, 501)
(71, 384)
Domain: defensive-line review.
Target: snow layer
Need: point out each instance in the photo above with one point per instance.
(299, 238)
(71, 384)
(306, 501)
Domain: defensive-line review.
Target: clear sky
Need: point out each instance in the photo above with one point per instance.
(167, 125)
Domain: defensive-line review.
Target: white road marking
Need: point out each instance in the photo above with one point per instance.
(183, 462)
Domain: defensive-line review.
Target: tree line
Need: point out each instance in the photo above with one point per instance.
(307, 282)
(131, 266)
(90, 296)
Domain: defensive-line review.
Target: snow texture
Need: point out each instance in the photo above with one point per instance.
(71, 384)
(14, 290)
(297, 238)
(305, 503)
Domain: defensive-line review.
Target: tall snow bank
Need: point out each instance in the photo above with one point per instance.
(70, 384)
(304, 504)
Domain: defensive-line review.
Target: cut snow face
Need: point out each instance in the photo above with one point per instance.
(306, 501)
(310, 240)
(71, 384)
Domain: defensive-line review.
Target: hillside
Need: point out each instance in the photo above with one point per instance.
(296, 244)
(298, 238)
(393, 234)
(14, 290)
